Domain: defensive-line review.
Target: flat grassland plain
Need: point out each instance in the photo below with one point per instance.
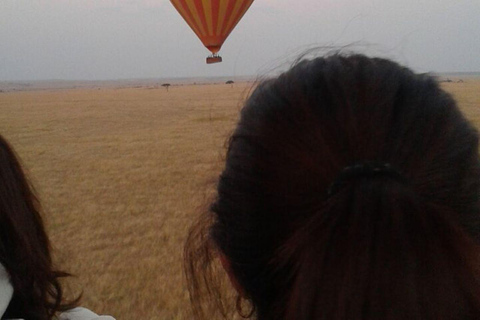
(122, 173)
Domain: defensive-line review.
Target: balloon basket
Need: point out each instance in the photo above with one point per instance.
(214, 59)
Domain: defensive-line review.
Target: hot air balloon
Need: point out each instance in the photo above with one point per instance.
(212, 20)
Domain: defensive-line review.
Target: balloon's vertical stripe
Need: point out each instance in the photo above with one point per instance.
(201, 15)
(231, 19)
(215, 14)
(181, 7)
(222, 14)
(207, 11)
(194, 12)
(230, 6)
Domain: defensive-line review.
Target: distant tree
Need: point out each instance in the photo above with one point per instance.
(166, 85)
(229, 82)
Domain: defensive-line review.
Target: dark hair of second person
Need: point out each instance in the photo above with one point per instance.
(305, 235)
(25, 247)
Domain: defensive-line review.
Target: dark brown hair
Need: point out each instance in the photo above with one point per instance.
(379, 247)
(24, 246)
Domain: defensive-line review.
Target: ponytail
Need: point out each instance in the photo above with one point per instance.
(378, 250)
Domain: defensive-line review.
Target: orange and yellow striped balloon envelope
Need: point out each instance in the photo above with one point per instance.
(212, 20)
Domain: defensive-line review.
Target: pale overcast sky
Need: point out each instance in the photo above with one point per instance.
(118, 39)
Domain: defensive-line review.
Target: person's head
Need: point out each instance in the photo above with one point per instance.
(24, 245)
(350, 191)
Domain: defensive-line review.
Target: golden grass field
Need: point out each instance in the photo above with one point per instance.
(122, 173)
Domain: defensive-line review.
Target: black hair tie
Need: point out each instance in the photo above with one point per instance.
(364, 169)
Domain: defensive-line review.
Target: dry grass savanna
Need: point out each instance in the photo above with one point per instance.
(122, 173)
